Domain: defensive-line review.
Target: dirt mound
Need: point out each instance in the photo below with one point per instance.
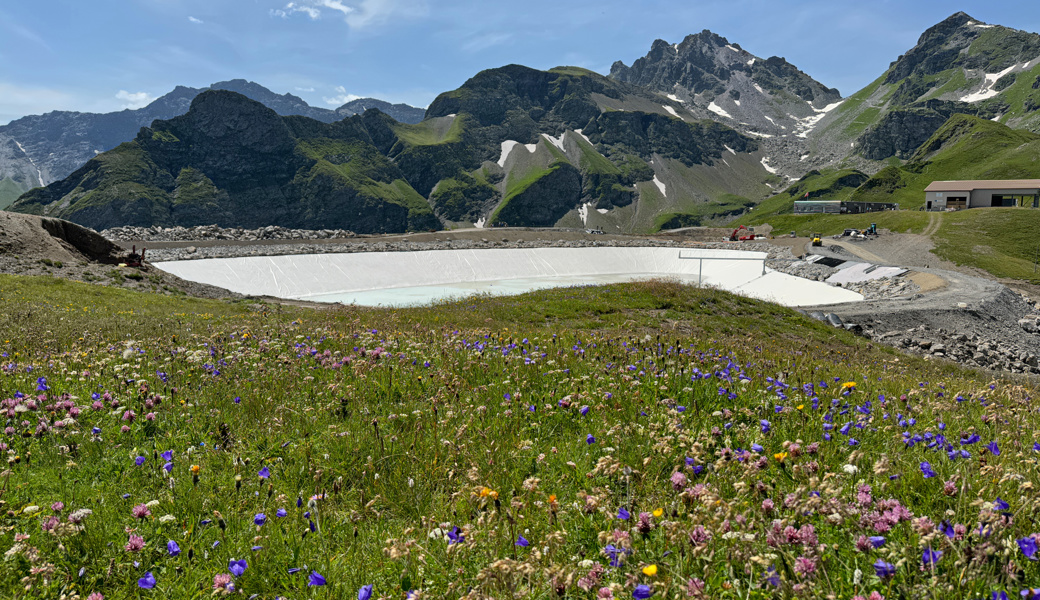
(32, 245)
(53, 239)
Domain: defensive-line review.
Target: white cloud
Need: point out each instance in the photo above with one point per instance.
(134, 99)
(358, 14)
(292, 8)
(341, 98)
(304, 89)
(196, 21)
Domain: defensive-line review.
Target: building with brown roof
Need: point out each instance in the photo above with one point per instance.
(957, 195)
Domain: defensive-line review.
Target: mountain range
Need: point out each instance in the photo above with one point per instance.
(39, 149)
(695, 132)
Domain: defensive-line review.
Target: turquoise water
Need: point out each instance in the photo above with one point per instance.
(429, 294)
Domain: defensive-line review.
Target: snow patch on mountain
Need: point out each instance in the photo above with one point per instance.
(715, 108)
(39, 173)
(670, 110)
(661, 186)
(558, 142)
(987, 90)
(765, 163)
(507, 148)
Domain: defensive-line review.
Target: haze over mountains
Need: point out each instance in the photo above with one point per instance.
(696, 131)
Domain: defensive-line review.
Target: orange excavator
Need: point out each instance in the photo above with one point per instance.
(736, 237)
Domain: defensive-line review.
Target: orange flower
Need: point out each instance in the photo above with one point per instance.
(195, 469)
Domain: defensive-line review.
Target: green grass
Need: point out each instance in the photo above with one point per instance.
(9, 192)
(430, 131)
(393, 427)
(727, 204)
(1001, 241)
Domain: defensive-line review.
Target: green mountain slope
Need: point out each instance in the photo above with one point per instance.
(234, 162)
(965, 147)
(9, 192)
(960, 65)
(512, 145)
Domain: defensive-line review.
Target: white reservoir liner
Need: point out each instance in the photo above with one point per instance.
(395, 278)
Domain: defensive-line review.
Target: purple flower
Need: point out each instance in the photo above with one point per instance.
(765, 426)
(623, 514)
(168, 455)
(929, 557)
(237, 567)
(147, 582)
(1028, 546)
(364, 593)
(884, 569)
(999, 504)
(260, 518)
(993, 448)
(584, 410)
(642, 592)
(877, 541)
(316, 579)
(926, 468)
(589, 439)
(455, 536)
(168, 467)
(172, 548)
(772, 578)
(140, 460)
(522, 541)
(281, 513)
(264, 473)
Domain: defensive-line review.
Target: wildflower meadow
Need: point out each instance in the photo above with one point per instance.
(646, 440)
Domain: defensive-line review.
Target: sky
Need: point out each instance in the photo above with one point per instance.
(107, 55)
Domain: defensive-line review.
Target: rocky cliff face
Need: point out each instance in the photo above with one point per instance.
(722, 81)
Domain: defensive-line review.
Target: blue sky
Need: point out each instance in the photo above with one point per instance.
(105, 55)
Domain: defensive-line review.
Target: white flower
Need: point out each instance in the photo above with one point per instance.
(31, 509)
(850, 469)
(152, 504)
(167, 518)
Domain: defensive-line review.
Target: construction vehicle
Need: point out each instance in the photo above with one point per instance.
(134, 259)
(736, 237)
(817, 239)
(872, 230)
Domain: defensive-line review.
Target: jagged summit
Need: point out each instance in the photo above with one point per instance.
(718, 79)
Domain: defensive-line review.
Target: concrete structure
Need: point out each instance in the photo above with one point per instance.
(958, 195)
(840, 207)
(395, 278)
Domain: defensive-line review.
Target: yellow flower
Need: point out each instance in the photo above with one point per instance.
(195, 469)
(658, 512)
(800, 407)
(650, 570)
(780, 456)
(848, 384)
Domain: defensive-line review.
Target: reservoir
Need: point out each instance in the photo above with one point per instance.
(425, 277)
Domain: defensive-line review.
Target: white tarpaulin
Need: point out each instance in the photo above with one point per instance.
(391, 278)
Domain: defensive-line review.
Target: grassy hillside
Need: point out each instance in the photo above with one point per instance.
(594, 442)
(828, 184)
(9, 192)
(1001, 241)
